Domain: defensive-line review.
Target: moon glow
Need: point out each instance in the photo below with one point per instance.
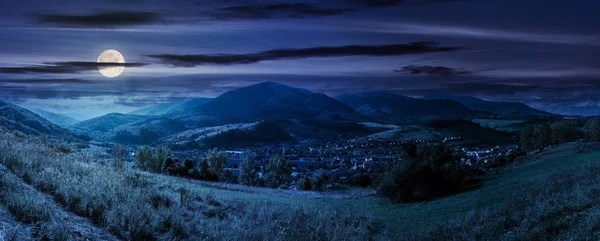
(111, 56)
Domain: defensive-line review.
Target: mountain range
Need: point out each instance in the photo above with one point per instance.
(301, 113)
(20, 119)
(58, 119)
(172, 107)
(270, 100)
(388, 107)
(498, 108)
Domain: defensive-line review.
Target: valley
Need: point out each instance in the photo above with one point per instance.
(232, 159)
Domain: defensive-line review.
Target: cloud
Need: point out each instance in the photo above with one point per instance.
(104, 20)
(268, 11)
(431, 70)
(64, 67)
(46, 81)
(279, 54)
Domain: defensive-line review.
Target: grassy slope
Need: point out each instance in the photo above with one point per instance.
(404, 219)
(545, 193)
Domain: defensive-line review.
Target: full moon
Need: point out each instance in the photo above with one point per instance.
(111, 56)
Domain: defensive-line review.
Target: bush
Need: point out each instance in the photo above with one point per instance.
(305, 184)
(64, 148)
(426, 172)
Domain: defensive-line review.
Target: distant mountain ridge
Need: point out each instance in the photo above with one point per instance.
(389, 107)
(270, 100)
(58, 119)
(172, 107)
(498, 108)
(20, 119)
(124, 128)
(267, 101)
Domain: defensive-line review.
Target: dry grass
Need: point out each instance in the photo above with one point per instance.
(29, 207)
(133, 206)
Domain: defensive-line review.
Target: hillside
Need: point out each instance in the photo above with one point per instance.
(271, 101)
(57, 119)
(16, 118)
(498, 108)
(172, 107)
(388, 107)
(128, 129)
(551, 195)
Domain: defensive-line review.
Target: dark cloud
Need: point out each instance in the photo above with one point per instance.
(106, 19)
(391, 3)
(302, 10)
(278, 54)
(431, 70)
(46, 81)
(268, 11)
(64, 67)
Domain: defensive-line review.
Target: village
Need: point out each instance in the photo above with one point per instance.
(344, 159)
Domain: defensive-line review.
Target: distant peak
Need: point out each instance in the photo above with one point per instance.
(273, 84)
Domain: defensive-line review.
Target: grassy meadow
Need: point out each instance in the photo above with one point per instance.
(548, 195)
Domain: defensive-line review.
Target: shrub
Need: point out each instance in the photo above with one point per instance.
(64, 148)
(427, 171)
(305, 183)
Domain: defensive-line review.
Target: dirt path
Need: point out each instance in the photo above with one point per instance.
(79, 227)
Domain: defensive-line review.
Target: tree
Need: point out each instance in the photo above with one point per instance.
(216, 161)
(160, 154)
(278, 172)
(564, 131)
(426, 171)
(144, 157)
(543, 135)
(152, 161)
(592, 130)
(119, 153)
(527, 138)
(247, 172)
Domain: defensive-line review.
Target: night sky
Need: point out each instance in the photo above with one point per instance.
(545, 53)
